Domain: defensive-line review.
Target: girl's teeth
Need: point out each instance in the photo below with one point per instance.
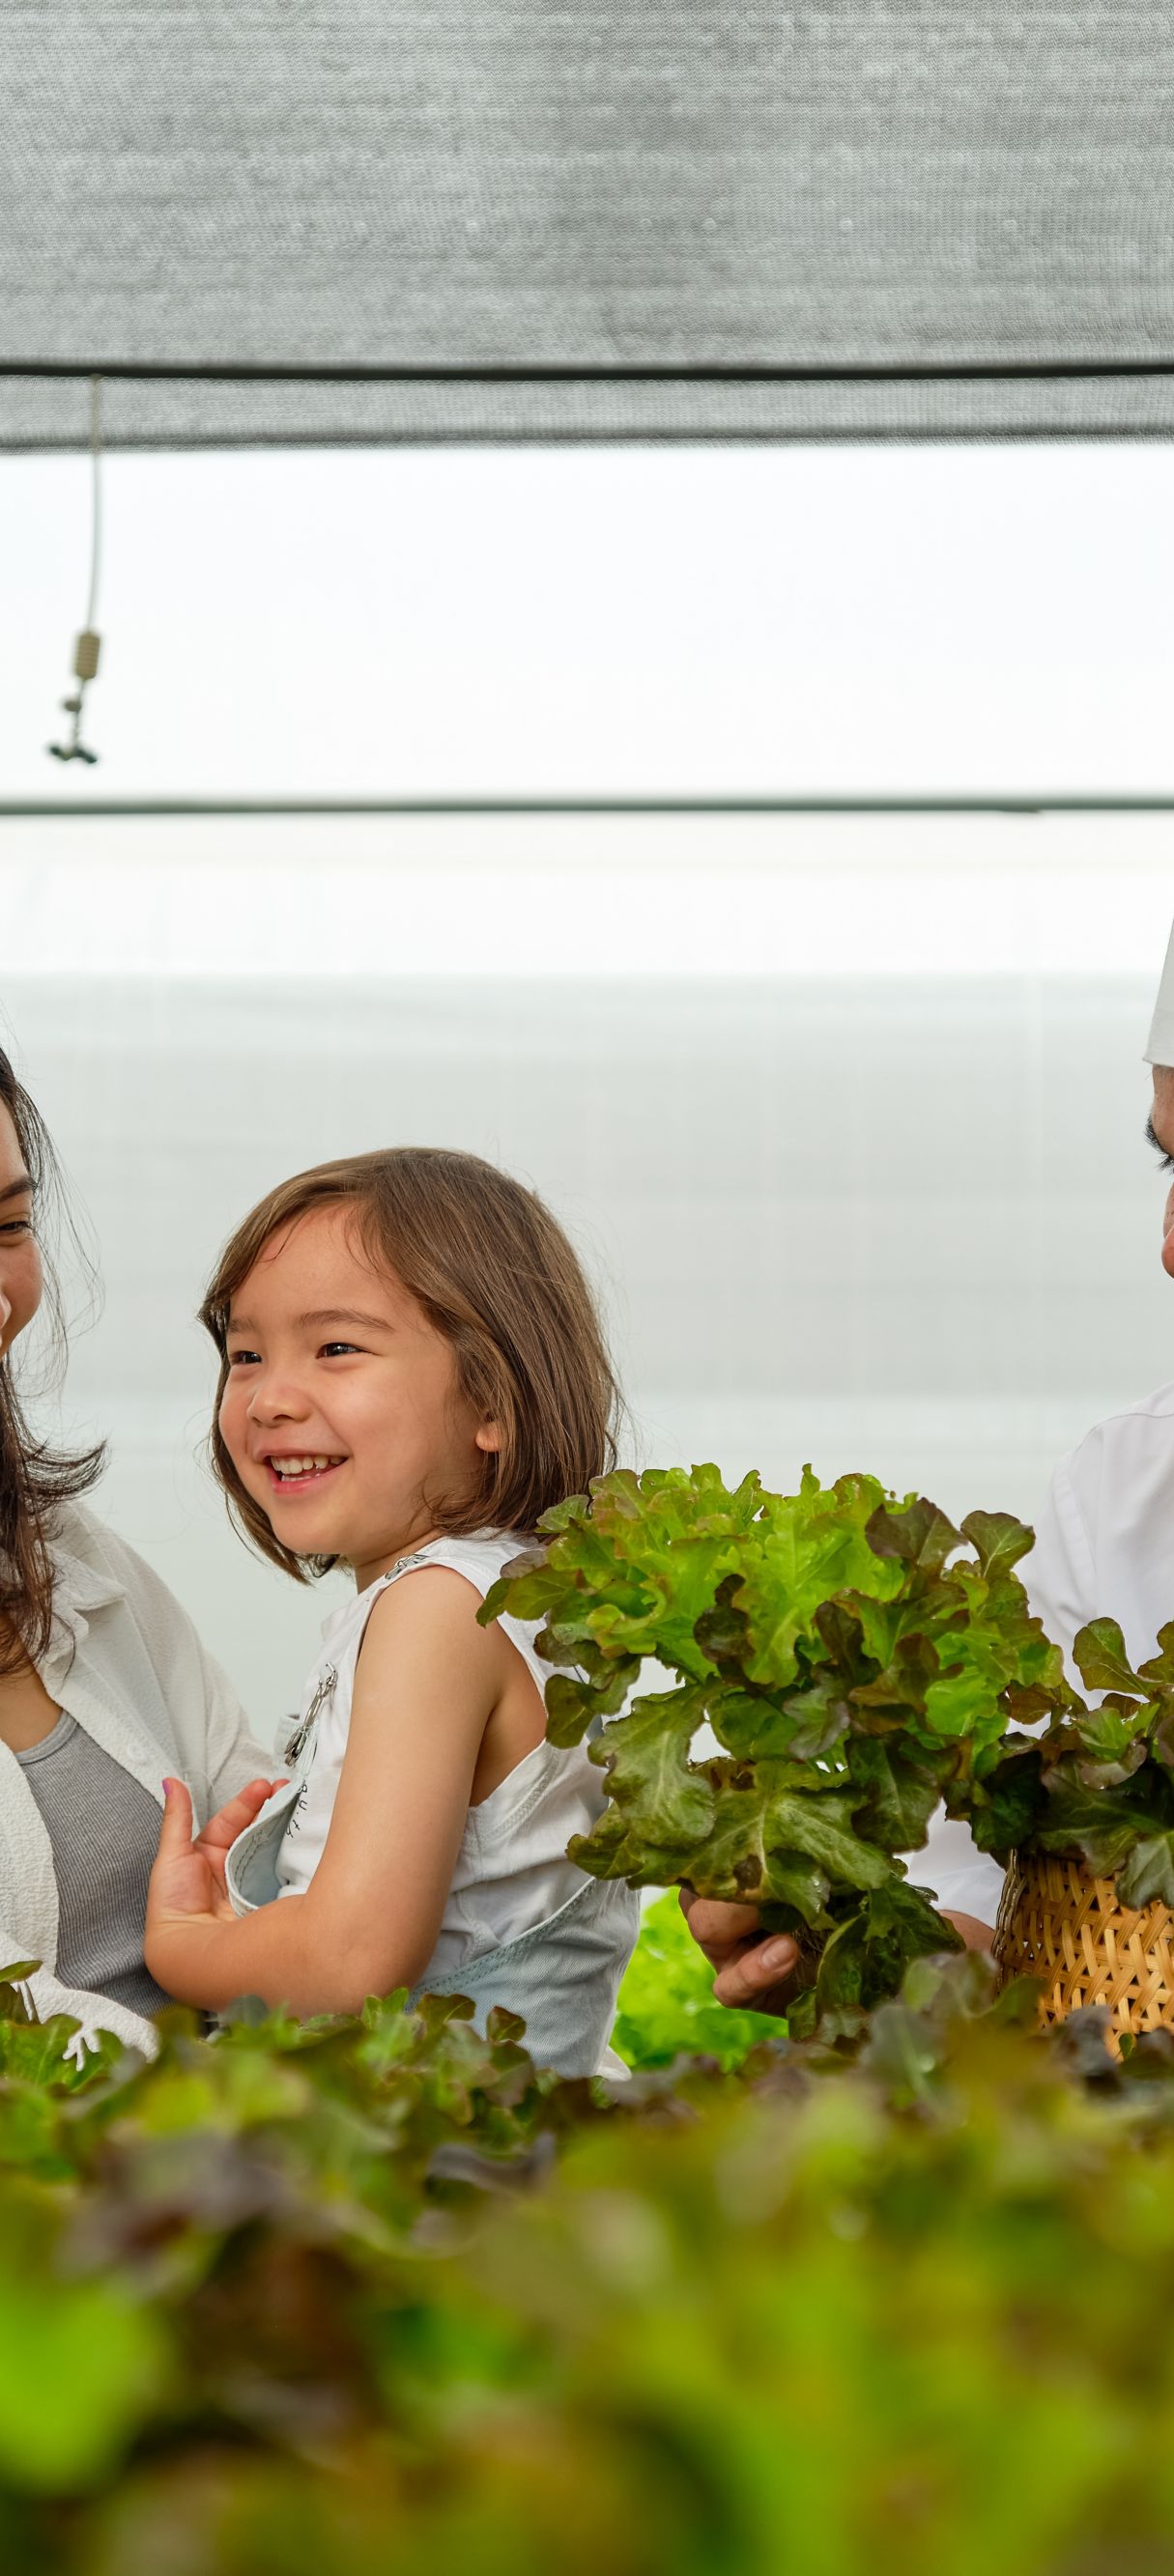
(301, 1466)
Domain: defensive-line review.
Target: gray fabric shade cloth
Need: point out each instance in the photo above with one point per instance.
(602, 185)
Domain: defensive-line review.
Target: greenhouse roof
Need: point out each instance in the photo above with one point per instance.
(273, 225)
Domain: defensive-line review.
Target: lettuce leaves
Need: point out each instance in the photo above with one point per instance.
(856, 1659)
(1098, 1786)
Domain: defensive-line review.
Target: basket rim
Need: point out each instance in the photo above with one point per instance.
(1029, 1861)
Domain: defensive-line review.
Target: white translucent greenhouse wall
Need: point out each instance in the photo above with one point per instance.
(845, 1117)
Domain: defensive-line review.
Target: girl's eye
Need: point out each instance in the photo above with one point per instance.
(328, 1348)
(243, 1359)
(17, 1225)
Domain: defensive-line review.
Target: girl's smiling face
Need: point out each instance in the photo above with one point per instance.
(340, 1412)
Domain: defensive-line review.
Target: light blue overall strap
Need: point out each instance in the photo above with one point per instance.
(562, 1976)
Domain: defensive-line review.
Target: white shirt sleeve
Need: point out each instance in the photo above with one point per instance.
(1060, 1573)
(234, 1754)
(211, 1726)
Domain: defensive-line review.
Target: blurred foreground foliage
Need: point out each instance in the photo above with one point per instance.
(375, 2295)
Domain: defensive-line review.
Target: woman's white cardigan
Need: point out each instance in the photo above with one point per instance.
(125, 1661)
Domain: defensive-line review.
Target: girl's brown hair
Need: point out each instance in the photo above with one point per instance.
(497, 1277)
(35, 1479)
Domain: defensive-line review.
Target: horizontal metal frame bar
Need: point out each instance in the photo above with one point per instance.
(42, 809)
(905, 371)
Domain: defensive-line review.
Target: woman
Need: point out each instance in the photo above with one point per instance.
(104, 1685)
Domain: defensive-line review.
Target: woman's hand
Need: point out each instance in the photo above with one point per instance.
(976, 1935)
(751, 1973)
(756, 1975)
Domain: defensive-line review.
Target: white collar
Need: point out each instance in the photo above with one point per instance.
(79, 1588)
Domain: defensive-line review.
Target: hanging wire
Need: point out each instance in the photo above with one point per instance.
(96, 497)
(88, 647)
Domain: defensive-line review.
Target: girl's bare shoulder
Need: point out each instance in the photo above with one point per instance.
(430, 1610)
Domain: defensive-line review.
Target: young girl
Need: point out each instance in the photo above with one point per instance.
(411, 1372)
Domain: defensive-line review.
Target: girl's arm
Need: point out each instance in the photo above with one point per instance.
(428, 1680)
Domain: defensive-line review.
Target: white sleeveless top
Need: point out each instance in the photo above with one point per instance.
(512, 1872)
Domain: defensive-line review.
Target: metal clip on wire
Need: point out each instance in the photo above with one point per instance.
(85, 664)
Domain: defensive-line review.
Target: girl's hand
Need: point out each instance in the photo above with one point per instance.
(186, 1898)
(187, 1881)
(222, 1829)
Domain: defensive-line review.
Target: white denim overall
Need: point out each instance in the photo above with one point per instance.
(522, 1927)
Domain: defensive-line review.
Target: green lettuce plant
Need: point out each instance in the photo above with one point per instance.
(857, 1659)
(666, 2009)
(1098, 1785)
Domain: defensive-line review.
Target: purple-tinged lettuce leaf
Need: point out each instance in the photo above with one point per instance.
(616, 1848)
(751, 1724)
(1147, 1877)
(1003, 1808)
(573, 1704)
(1113, 1743)
(918, 1536)
(896, 1696)
(1159, 1671)
(746, 1861)
(1099, 1654)
(998, 1540)
(865, 1959)
(1027, 1702)
(899, 1792)
(1086, 1822)
(646, 1758)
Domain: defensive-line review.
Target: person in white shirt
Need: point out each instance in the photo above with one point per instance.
(1104, 1547)
(104, 1685)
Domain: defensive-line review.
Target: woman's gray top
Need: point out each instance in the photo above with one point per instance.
(104, 1829)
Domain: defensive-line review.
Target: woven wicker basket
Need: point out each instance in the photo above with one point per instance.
(1057, 1922)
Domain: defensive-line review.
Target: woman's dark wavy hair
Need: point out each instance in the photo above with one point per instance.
(35, 1479)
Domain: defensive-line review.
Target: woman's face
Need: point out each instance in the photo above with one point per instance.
(20, 1260)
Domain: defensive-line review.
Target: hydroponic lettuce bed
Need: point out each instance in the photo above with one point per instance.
(376, 2295)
